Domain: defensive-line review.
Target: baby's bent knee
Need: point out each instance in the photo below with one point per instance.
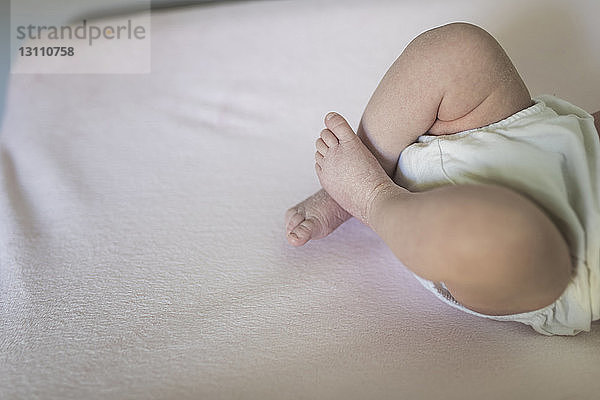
(455, 36)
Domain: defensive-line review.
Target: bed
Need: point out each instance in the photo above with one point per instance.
(142, 247)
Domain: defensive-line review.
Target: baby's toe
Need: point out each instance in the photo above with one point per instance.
(293, 218)
(319, 158)
(321, 146)
(329, 138)
(339, 127)
(302, 233)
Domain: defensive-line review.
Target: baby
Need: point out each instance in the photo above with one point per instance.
(490, 198)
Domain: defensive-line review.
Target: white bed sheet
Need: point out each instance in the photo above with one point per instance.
(142, 251)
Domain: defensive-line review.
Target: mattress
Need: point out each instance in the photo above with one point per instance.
(142, 245)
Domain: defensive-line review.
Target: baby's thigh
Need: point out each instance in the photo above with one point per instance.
(529, 275)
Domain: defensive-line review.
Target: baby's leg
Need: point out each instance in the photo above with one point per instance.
(448, 79)
(497, 252)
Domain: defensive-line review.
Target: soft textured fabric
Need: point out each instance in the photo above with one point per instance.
(142, 246)
(549, 152)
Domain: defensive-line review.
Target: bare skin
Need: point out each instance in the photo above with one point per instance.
(393, 120)
(314, 218)
(350, 173)
(319, 215)
(449, 79)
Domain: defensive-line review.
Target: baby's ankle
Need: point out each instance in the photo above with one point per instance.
(381, 197)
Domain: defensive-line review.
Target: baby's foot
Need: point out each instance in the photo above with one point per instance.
(347, 170)
(314, 218)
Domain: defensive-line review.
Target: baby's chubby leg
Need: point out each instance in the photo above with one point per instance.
(452, 78)
(496, 251)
